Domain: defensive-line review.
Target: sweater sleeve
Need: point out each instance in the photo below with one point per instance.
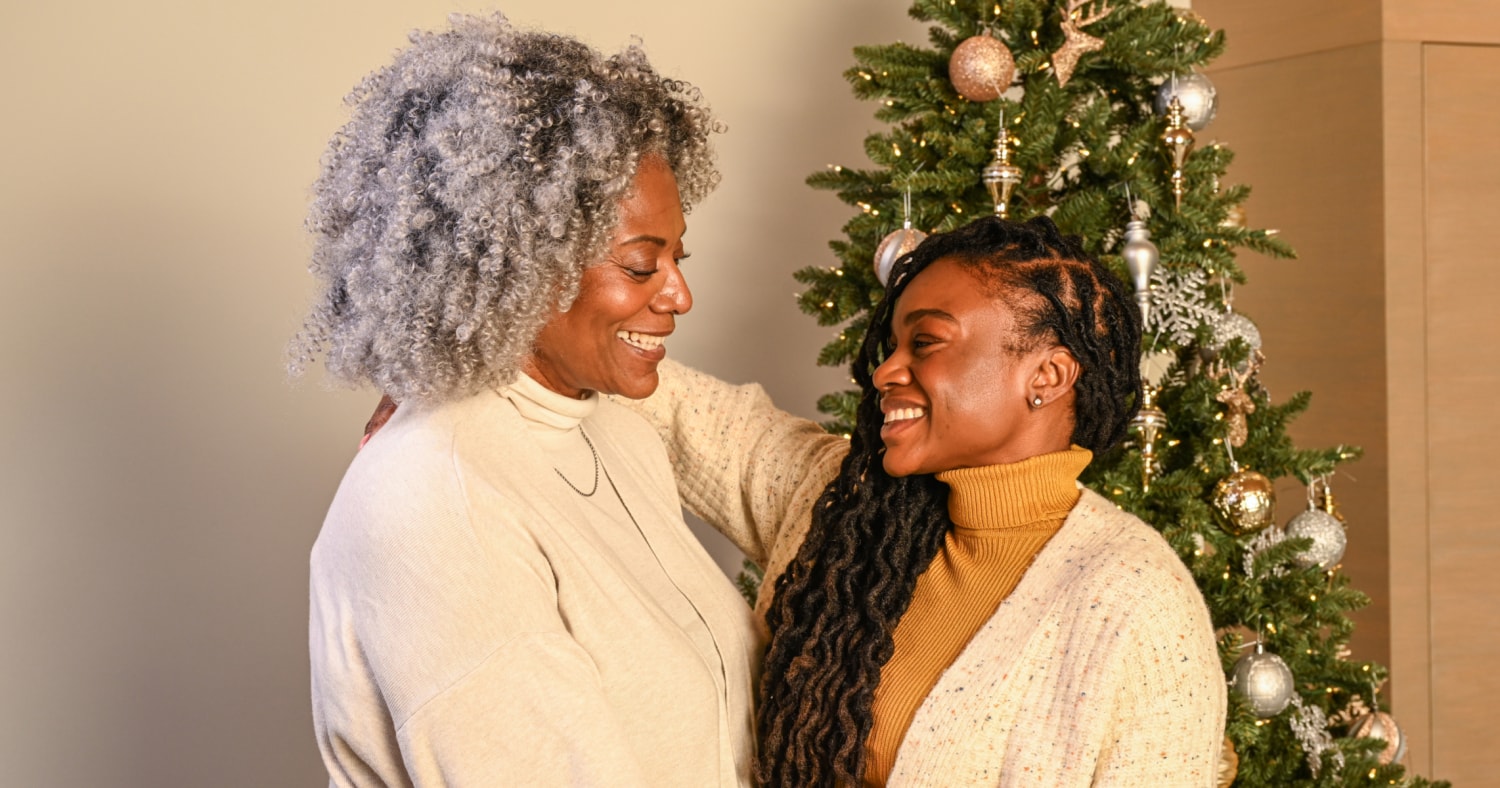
(750, 470)
(1168, 723)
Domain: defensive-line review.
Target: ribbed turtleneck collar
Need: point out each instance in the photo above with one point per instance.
(1033, 490)
(543, 407)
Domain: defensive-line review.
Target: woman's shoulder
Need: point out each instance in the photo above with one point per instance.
(1118, 552)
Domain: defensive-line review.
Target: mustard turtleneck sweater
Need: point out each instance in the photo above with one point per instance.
(1003, 515)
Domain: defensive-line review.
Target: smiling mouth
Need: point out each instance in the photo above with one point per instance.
(904, 414)
(638, 340)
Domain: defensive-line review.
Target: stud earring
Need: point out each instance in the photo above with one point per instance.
(1036, 402)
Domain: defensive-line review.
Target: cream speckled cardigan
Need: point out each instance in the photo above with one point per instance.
(1098, 670)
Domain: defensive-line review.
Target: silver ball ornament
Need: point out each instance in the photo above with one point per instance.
(1379, 725)
(1264, 680)
(981, 68)
(1326, 533)
(1233, 325)
(893, 247)
(1196, 93)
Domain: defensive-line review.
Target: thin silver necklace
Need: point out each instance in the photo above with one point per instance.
(592, 451)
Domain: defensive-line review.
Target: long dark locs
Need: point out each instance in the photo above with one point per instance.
(872, 535)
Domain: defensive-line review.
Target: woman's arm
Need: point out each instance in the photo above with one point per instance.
(747, 468)
(1168, 724)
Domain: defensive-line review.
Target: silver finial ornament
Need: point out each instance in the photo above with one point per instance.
(1141, 257)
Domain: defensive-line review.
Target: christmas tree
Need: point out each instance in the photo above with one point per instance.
(1086, 112)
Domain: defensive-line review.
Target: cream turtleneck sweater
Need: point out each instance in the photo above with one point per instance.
(486, 610)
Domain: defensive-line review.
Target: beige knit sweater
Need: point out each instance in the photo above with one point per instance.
(1099, 669)
(476, 622)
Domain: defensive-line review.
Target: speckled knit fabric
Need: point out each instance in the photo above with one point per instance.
(1099, 669)
(1002, 515)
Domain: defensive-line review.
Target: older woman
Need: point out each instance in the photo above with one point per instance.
(954, 609)
(504, 592)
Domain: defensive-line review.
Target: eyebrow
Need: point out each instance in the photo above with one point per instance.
(917, 314)
(651, 239)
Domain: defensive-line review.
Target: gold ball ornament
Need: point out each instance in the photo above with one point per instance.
(1379, 725)
(893, 247)
(1245, 501)
(1229, 764)
(981, 68)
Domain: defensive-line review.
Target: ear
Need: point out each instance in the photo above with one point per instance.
(1055, 373)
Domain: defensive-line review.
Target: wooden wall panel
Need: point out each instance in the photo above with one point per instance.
(1450, 21)
(1406, 398)
(1265, 30)
(1462, 157)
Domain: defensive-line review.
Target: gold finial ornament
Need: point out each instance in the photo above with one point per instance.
(1149, 424)
(1000, 176)
(1179, 139)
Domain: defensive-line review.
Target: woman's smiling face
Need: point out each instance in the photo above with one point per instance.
(610, 339)
(956, 389)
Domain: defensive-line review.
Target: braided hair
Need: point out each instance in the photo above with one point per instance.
(837, 604)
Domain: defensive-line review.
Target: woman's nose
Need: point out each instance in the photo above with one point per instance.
(674, 296)
(892, 372)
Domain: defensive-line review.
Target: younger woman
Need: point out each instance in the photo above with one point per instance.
(954, 609)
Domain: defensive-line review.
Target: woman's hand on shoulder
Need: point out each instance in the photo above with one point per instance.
(383, 412)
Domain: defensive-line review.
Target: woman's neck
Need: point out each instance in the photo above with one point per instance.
(1012, 495)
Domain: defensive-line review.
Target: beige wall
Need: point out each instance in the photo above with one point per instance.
(160, 482)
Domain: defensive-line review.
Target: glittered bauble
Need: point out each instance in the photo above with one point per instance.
(1229, 764)
(893, 247)
(981, 68)
(1230, 326)
(1233, 325)
(1264, 680)
(1245, 501)
(1141, 258)
(1198, 96)
(1326, 533)
(1379, 725)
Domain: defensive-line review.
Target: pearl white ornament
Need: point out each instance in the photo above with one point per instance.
(1326, 533)
(1196, 93)
(893, 247)
(1264, 680)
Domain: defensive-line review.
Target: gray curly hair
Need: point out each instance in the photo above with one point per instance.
(479, 175)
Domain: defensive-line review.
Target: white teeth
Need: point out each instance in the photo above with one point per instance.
(642, 341)
(903, 414)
